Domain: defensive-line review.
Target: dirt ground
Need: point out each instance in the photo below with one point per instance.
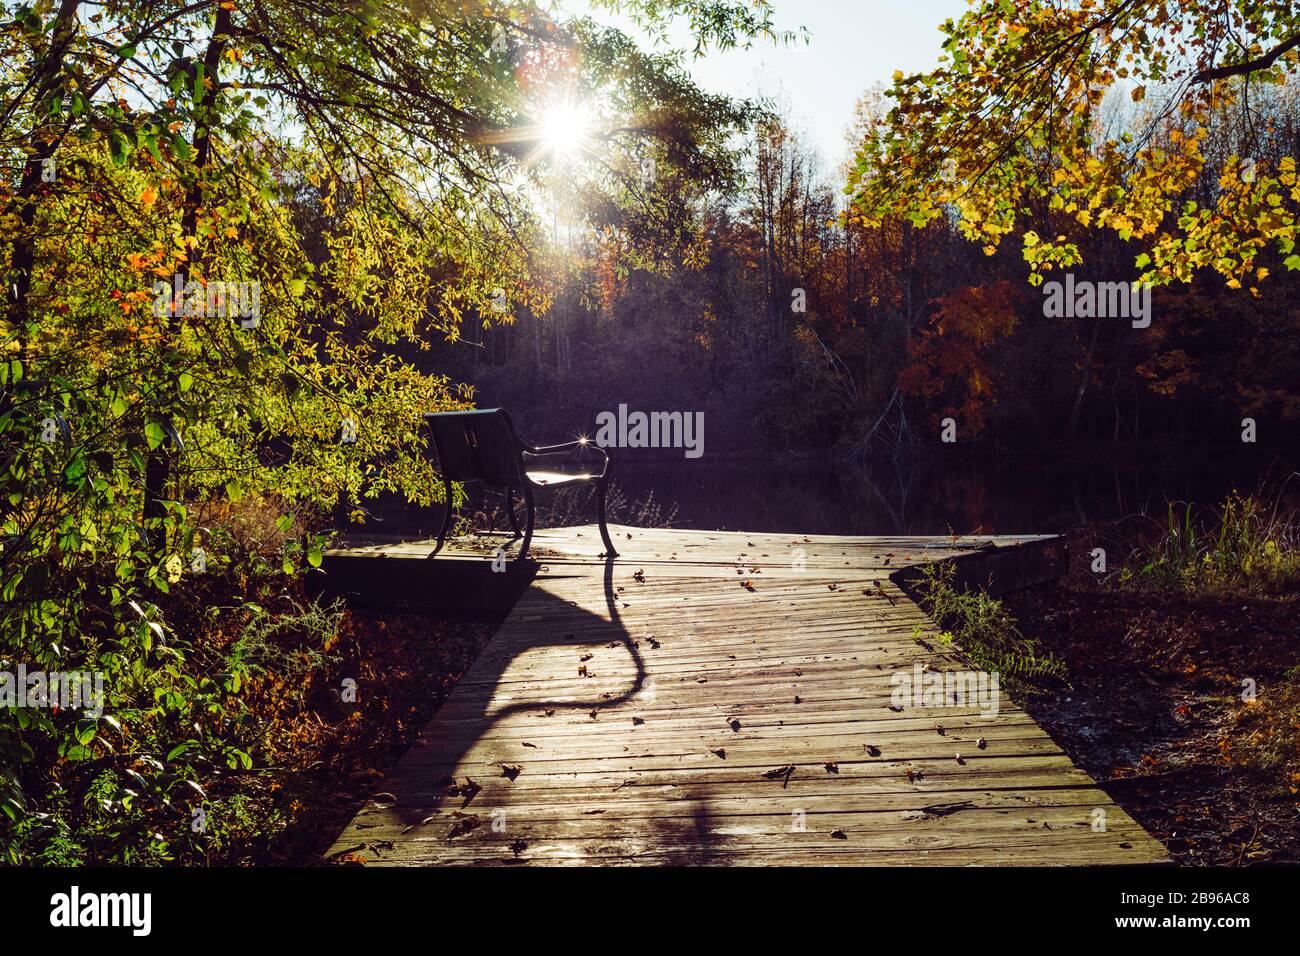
(407, 665)
(1154, 711)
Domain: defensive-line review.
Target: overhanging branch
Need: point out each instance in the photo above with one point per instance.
(1250, 66)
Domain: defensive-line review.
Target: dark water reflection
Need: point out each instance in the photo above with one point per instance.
(1005, 497)
(933, 496)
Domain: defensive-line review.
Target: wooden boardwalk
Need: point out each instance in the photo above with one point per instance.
(729, 704)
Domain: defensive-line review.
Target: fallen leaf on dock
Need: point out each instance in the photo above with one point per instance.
(943, 809)
(780, 773)
(464, 825)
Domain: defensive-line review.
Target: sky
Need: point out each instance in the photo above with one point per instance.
(852, 44)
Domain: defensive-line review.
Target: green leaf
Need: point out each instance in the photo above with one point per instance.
(76, 468)
(179, 749)
(154, 435)
(314, 557)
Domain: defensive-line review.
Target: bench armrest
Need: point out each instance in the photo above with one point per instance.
(544, 450)
(565, 446)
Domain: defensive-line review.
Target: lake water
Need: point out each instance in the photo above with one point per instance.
(930, 496)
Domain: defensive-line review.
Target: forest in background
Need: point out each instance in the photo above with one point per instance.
(904, 324)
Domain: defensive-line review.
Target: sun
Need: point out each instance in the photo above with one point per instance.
(566, 129)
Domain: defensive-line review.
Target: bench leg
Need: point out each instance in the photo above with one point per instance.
(510, 509)
(600, 513)
(528, 525)
(446, 520)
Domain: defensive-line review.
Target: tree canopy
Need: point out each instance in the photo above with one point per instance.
(1109, 113)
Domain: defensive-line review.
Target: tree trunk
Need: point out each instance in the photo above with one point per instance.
(1083, 383)
(22, 258)
(158, 467)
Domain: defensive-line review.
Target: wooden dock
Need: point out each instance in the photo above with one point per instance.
(726, 698)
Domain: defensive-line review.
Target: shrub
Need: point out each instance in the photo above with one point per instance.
(982, 629)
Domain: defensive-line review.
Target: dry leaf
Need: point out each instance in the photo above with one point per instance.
(780, 773)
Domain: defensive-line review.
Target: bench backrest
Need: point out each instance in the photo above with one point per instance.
(477, 446)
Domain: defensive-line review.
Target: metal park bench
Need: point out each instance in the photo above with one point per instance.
(484, 446)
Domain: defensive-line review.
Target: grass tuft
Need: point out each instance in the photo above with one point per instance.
(1240, 546)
